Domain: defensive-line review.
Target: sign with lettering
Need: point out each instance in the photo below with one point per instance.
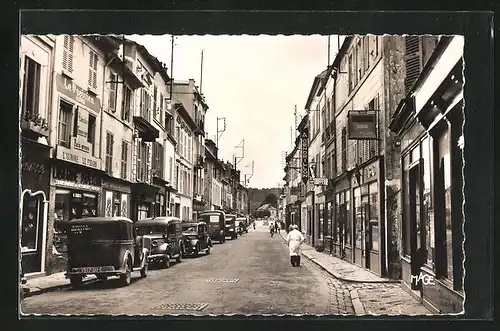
(362, 125)
(75, 185)
(304, 138)
(80, 142)
(370, 172)
(78, 157)
(68, 88)
(321, 181)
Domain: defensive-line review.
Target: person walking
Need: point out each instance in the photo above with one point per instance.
(294, 239)
(271, 229)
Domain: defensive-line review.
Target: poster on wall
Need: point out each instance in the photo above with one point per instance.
(108, 210)
(124, 208)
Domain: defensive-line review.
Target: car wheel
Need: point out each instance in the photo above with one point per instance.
(166, 262)
(126, 278)
(208, 250)
(144, 270)
(76, 280)
(102, 278)
(196, 252)
(179, 258)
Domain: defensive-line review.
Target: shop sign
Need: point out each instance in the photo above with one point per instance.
(68, 88)
(78, 157)
(320, 181)
(304, 137)
(370, 172)
(362, 125)
(74, 185)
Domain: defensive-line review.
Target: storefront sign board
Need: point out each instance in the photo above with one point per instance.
(78, 157)
(362, 125)
(304, 137)
(74, 185)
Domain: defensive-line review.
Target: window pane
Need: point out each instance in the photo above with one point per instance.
(358, 219)
(374, 210)
(444, 166)
(406, 213)
(428, 209)
(30, 223)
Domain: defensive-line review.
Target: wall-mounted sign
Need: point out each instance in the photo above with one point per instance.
(68, 88)
(304, 138)
(74, 185)
(321, 181)
(78, 157)
(80, 142)
(371, 171)
(362, 125)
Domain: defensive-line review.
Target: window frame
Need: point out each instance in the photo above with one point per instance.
(108, 164)
(69, 112)
(36, 86)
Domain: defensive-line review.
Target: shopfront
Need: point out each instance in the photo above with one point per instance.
(368, 231)
(35, 178)
(75, 191)
(144, 198)
(430, 132)
(116, 196)
(341, 223)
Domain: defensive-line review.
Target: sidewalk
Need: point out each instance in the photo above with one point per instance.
(42, 284)
(370, 294)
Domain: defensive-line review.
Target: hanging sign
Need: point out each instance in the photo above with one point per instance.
(304, 137)
(362, 125)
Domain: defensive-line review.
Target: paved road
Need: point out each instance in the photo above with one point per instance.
(250, 275)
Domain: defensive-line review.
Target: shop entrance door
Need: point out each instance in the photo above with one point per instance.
(417, 228)
(365, 230)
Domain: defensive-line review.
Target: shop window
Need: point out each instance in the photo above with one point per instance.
(428, 208)
(109, 153)
(358, 218)
(65, 111)
(116, 204)
(32, 209)
(93, 59)
(445, 180)
(406, 207)
(320, 219)
(31, 88)
(348, 218)
(374, 218)
(142, 211)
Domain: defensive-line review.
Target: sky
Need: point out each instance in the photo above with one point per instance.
(255, 83)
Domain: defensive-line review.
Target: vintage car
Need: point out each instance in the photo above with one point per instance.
(104, 246)
(196, 238)
(216, 221)
(230, 229)
(163, 238)
(241, 223)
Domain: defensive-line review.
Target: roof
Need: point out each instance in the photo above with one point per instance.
(192, 223)
(102, 220)
(317, 80)
(157, 220)
(208, 212)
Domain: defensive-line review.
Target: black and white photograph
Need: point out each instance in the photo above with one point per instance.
(242, 175)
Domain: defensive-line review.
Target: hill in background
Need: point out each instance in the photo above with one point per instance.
(258, 196)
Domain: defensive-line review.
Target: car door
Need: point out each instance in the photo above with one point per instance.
(171, 238)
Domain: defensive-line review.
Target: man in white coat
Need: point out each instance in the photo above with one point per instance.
(294, 240)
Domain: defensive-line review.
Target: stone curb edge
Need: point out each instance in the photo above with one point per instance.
(38, 291)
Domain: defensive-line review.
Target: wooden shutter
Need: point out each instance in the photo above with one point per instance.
(413, 53)
(68, 53)
(148, 162)
(112, 92)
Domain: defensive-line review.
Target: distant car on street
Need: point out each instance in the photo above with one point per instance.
(216, 221)
(196, 238)
(230, 230)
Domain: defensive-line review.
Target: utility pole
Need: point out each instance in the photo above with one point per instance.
(295, 118)
(239, 158)
(220, 132)
(328, 64)
(201, 73)
(172, 71)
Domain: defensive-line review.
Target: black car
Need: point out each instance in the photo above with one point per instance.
(104, 246)
(196, 238)
(241, 223)
(230, 229)
(216, 222)
(163, 238)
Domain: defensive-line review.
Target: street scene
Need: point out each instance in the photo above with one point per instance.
(163, 176)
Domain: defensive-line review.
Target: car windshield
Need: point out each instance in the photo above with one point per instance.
(190, 229)
(229, 221)
(100, 231)
(150, 229)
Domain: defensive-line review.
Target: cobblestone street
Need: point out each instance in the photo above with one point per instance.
(250, 275)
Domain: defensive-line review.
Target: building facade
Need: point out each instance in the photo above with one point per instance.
(36, 65)
(428, 122)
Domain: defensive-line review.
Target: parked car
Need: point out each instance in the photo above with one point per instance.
(241, 225)
(216, 221)
(196, 238)
(163, 238)
(230, 229)
(104, 246)
(22, 281)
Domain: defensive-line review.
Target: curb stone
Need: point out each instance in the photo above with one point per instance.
(37, 290)
(359, 308)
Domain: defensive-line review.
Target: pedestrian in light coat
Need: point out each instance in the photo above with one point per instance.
(294, 239)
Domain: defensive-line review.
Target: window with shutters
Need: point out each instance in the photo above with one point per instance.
(124, 163)
(138, 164)
(161, 110)
(31, 88)
(413, 61)
(361, 57)
(147, 157)
(350, 74)
(109, 153)
(127, 104)
(64, 125)
(145, 103)
(113, 90)
(93, 60)
(155, 109)
(343, 164)
(68, 46)
(366, 53)
(158, 160)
